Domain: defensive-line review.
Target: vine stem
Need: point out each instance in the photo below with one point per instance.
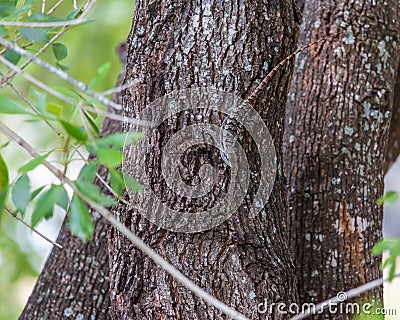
(139, 243)
(12, 213)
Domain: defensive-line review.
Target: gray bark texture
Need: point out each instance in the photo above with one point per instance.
(231, 46)
(334, 89)
(394, 134)
(337, 128)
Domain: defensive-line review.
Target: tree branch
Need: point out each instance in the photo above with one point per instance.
(352, 293)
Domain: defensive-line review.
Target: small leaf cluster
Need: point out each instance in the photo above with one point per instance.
(389, 198)
(77, 123)
(393, 246)
(31, 37)
(44, 199)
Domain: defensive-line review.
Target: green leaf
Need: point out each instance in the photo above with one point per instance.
(61, 196)
(32, 164)
(392, 270)
(380, 247)
(12, 56)
(109, 157)
(45, 205)
(132, 184)
(80, 220)
(60, 51)
(73, 14)
(118, 140)
(5, 144)
(101, 74)
(20, 193)
(54, 109)
(92, 123)
(35, 192)
(117, 181)
(41, 17)
(34, 34)
(28, 2)
(41, 99)
(8, 106)
(74, 131)
(88, 172)
(388, 198)
(3, 174)
(61, 67)
(3, 31)
(92, 192)
(3, 198)
(67, 92)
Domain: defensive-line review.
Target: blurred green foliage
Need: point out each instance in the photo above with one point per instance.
(89, 46)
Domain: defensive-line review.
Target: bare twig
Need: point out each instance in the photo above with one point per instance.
(33, 229)
(355, 292)
(54, 7)
(66, 99)
(61, 74)
(121, 88)
(139, 243)
(43, 24)
(7, 77)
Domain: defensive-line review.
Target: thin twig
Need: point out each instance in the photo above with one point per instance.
(43, 6)
(355, 292)
(85, 11)
(54, 24)
(139, 243)
(62, 97)
(61, 74)
(54, 7)
(35, 81)
(33, 229)
(121, 88)
(8, 77)
(66, 99)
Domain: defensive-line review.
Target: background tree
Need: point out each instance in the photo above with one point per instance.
(338, 121)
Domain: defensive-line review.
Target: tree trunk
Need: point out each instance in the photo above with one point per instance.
(394, 134)
(338, 121)
(227, 45)
(75, 280)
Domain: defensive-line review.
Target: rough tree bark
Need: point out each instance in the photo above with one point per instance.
(70, 276)
(394, 134)
(231, 46)
(338, 121)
